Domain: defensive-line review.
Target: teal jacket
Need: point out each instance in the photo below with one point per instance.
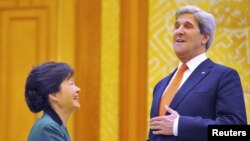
(49, 128)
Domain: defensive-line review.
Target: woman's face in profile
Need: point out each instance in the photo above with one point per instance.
(68, 96)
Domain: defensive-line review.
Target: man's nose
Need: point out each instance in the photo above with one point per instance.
(180, 29)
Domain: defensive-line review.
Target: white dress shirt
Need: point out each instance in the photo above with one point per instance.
(192, 65)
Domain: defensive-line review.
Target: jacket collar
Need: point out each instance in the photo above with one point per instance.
(48, 110)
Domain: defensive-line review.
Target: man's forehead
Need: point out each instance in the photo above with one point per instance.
(186, 18)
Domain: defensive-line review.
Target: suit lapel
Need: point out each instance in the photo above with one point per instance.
(199, 73)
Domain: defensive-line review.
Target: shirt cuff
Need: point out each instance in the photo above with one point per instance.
(175, 126)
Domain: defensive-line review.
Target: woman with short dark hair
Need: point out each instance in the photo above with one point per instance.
(50, 88)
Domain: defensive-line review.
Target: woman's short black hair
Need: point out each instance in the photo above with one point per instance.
(43, 80)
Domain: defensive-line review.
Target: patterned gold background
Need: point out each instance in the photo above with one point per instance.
(230, 46)
(110, 71)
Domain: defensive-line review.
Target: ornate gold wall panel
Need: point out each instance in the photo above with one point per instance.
(230, 47)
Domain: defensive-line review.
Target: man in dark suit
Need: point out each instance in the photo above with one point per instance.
(208, 93)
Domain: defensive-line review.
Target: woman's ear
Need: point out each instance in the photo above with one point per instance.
(53, 97)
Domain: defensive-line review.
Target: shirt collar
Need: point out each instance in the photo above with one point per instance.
(195, 62)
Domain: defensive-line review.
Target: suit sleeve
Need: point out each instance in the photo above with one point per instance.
(229, 108)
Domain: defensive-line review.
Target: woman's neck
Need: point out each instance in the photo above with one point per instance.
(63, 114)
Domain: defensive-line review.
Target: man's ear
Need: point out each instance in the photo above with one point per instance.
(205, 39)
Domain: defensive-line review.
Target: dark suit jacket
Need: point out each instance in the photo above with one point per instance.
(211, 95)
(49, 128)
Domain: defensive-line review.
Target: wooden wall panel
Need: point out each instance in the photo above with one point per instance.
(133, 75)
(30, 32)
(88, 43)
(7, 3)
(23, 44)
(33, 31)
(132, 70)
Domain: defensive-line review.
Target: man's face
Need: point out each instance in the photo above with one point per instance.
(187, 39)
